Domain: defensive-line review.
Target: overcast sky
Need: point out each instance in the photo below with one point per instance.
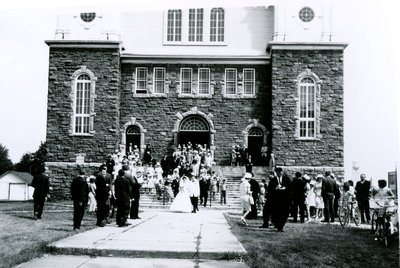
(371, 89)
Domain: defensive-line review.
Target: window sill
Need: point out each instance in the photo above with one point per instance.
(307, 139)
(235, 96)
(147, 95)
(210, 44)
(195, 96)
(82, 134)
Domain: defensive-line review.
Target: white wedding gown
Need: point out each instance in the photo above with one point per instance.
(182, 202)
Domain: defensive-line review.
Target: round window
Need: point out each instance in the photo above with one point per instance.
(88, 17)
(306, 14)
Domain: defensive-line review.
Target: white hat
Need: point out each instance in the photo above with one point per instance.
(306, 177)
(248, 176)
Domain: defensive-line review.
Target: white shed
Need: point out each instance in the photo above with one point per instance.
(15, 186)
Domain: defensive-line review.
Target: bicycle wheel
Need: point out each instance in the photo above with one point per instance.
(373, 220)
(380, 229)
(357, 216)
(386, 233)
(343, 216)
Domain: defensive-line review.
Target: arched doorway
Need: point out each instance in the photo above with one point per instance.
(255, 140)
(132, 138)
(194, 129)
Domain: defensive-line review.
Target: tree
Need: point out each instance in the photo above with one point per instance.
(25, 164)
(31, 162)
(5, 163)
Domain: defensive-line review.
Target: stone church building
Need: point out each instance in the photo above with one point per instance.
(221, 76)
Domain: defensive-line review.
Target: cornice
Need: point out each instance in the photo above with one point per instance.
(194, 59)
(278, 45)
(83, 43)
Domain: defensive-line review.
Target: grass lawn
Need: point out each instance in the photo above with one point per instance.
(22, 238)
(312, 245)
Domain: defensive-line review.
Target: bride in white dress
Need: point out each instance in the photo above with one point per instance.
(182, 200)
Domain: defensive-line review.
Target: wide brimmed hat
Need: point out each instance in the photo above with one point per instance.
(248, 176)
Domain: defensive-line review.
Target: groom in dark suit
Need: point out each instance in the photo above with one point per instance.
(279, 188)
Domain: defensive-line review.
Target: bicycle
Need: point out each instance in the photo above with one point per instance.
(381, 223)
(349, 211)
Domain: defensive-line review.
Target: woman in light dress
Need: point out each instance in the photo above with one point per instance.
(244, 193)
(92, 194)
(310, 196)
(319, 201)
(182, 202)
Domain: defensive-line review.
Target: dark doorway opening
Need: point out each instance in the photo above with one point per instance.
(255, 142)
(195, 137)
(132, 138)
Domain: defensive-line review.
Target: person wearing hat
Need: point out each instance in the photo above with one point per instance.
(299, 197)
(280, 189)
(245, 193)
(79, 193)
(310, 197)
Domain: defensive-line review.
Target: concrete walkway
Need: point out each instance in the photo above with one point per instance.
(158, 239)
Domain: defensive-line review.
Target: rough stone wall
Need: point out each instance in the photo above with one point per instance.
(230, 115)
(328, 66)
(105, 64)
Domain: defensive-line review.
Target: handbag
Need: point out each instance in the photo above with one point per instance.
(251, 199)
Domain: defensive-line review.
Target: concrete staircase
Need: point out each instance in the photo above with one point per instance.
(233, 175)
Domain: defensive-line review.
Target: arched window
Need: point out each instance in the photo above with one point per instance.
(307, 91)
(174, 29)
(217, 25)
(194, 123)
(82, 104)
(255, 132)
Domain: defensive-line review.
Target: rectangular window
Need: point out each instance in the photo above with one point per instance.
(141, 80)
(196, 25)
(249, 81)
(159, 80)
(174, 28)
(230, 81)
(204, 81)
(186, 81)
(217, 25)
(307, 111)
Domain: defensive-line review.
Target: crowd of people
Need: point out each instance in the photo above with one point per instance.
(186, 179)
(183, 178)
(311, 199)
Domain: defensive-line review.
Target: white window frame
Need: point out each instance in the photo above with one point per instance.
(174, 26)
(198, 27)
(306, 97)
(204, 82)
(89, 105)
(141, 80)
(233, 81)
(182, 82)
(317, 106)
(219, 25)
(246, 81)
(155, 80)
(185, 30)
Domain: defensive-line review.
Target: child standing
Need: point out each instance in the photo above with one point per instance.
(223, 191)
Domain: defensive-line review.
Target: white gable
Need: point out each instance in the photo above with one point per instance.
(11, 178)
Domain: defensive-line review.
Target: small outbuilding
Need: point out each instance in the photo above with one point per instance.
(14, 186)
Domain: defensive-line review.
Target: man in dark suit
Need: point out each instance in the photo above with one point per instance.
(135, 187)
(299, 197)
(41, 184)
(328, 194)
(267, 210)
(123, 195)
(255, 190)
(362, 195)
(280, 189)
(204, 188)
(103, 188)
(79, 193)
